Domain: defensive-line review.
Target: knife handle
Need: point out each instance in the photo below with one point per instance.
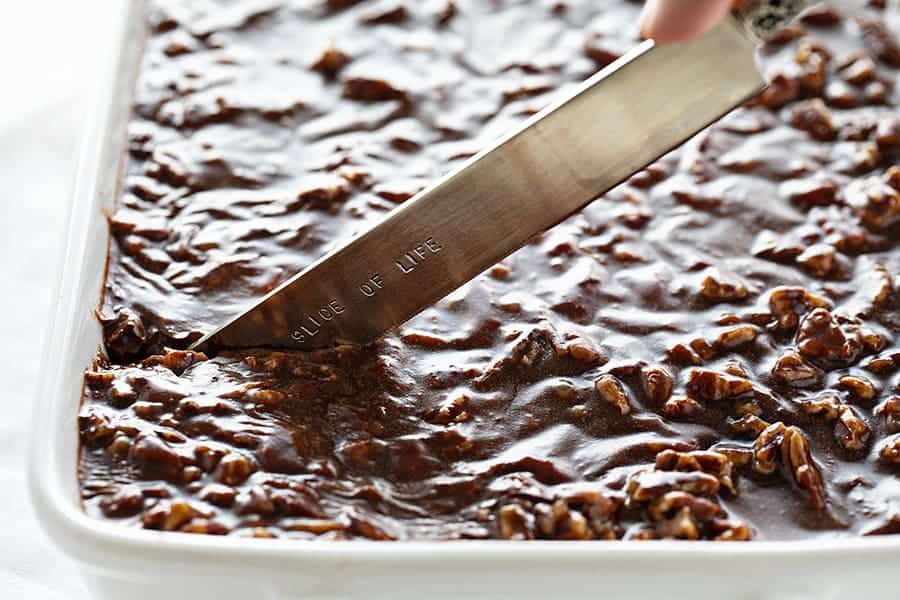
(764, 18)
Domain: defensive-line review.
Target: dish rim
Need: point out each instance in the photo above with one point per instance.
(93, 540)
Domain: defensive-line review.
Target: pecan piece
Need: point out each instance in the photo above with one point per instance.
(176, 361)
(234, 469)
(875, 202)
(889, 412)
(822, 337)
(823, 262)
(813, 117)
(172, 516)
(889, 450)
(797, 458)
(684, 355)
(737, 336)
(789, 303)
(682, 407)
(155, 458)
(558, 521)
(648, 485)
(826, 405)
(851, 431)
(127, 501)
(613, 392)
(793, 370)
(330, 62)
(657, 383)
(515, 523)
(680, 527)
(722, 286)
(859, 387)
(711, 463)
(766, 448)
(677, 501)
(711, 385)
(881, 41)
(726, 530)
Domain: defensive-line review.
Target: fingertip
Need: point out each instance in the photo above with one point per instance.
(667, 21)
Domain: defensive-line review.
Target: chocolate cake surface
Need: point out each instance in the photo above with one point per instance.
(709, 351)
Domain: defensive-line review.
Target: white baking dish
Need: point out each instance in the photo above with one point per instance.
(121, 563)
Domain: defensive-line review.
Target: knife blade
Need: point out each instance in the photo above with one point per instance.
(618, 121)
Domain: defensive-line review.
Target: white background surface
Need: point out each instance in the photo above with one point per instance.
(46, 62)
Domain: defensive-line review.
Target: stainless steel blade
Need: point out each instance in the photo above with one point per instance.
(617, 122)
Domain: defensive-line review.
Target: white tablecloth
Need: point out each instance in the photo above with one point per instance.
(44, 65)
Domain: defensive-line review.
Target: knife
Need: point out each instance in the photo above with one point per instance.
(617, 122)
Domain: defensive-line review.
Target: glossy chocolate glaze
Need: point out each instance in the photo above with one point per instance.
(709, 351)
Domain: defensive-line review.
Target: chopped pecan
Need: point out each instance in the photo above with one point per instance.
(268, 398)
(682, 407)
(889, 412)
(330, 62)
(671, 502)
(826, 405)
(722, 286)
(806, 193)
(367, 89)
(452, 410)
(889, 450)
(812, 59)
(703, 348)
(710, 385)
(781, 90)
(127, 501)
(172, 516)
(788, 304)
(155, 458)
(860, 387)
(793, 370)
(875, 202)
(797, 458)
(95, 428)
(218, 495)
(850, 430)
(726, 530)
(712, 463)
(822, 15)
(813, 117)
(558, 521)
(648, 485)
(822, 337)
(534, 347)
(515, 523)
(582, 351)
(887, 132)
(613, 392)
(684, 355)
(681, 526)
(883, 363)
(880, 40)
(824, 262)
(860, 70)
(737, 336)
(766, 448)
(234, 469)
(204, 526)
(657, 384)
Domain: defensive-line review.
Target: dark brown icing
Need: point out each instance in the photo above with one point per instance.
(709, 351)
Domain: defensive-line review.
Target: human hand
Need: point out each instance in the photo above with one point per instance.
(679, 20)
